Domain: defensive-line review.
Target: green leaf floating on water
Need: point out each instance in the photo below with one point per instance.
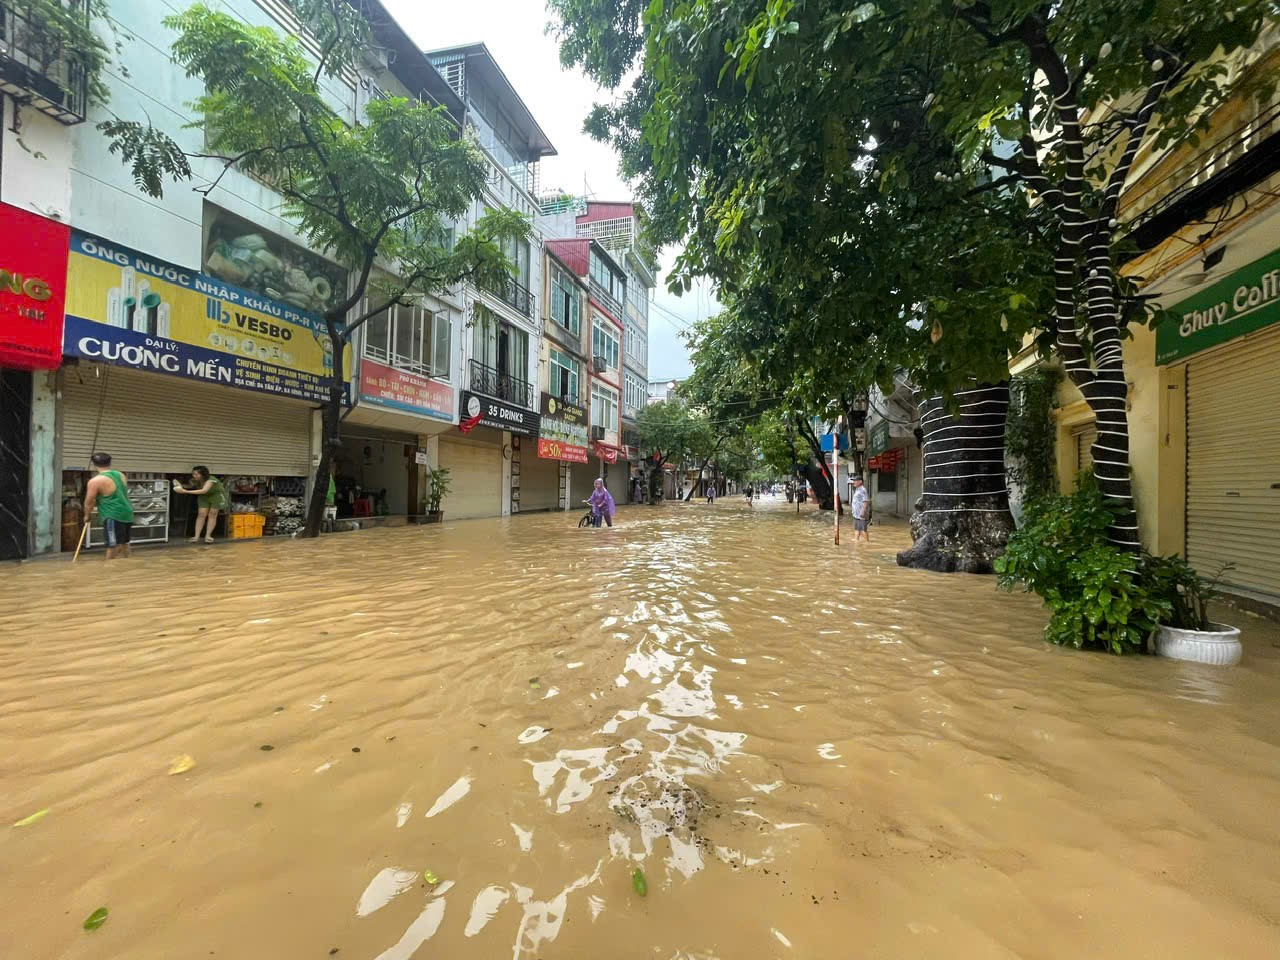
(28, 821)
(96, 919)
(639, 883)
(430, 877)
(533, 682)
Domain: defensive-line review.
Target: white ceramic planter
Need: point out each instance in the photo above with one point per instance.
(1219, 646)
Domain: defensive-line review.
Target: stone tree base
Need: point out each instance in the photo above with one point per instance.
(957, 542)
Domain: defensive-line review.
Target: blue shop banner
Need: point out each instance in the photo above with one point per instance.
(126, 348)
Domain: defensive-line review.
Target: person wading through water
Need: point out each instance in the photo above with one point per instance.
(602, 505)
(109, 492)
(211, 499)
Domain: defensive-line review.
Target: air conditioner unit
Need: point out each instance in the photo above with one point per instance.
(599, 364)
(597, 433)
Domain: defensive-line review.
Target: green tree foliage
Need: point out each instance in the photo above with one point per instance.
(671, 432)
(916, 184)
(1031, 434)
(382, 191)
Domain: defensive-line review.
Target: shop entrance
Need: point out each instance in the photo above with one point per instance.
(157, 427)
(15, 462)
(377, 475)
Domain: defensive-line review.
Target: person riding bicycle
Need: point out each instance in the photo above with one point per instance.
(602, 505)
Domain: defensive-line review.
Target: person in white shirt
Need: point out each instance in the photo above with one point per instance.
(860, 506)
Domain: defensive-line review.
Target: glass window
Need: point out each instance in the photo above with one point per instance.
(604, 343)
(377, 335)
(442, 344)
(565, 302)
(604, 407)
(564, 376)
(410, 338)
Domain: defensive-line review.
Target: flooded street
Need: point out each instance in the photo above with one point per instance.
(809, 753)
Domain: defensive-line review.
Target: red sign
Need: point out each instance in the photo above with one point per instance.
(386, 386)
(33, 286)
(606, 453)
(558, 450)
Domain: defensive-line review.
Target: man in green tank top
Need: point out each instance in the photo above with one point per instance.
(108, 490)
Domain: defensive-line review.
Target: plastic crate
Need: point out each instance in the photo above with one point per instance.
(244, 526)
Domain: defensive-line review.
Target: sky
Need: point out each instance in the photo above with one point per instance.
(515, 33)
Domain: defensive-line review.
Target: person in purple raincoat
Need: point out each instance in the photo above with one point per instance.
(602, 504)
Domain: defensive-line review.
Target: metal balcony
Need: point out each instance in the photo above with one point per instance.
(502, 386)
(513, 294)
(37, 71)
(607, 300)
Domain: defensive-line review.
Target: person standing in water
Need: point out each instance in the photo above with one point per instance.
(108, 490)
(860, 506)
(602, 505)
(211, 499)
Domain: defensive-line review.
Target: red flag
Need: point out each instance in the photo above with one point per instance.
(469, 424)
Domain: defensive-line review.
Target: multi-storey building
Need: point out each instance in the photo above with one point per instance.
(501, 352)
(606, 282)
(191, 327)
(617, 227)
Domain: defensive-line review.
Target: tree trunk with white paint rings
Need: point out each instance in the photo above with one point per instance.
(962, 520)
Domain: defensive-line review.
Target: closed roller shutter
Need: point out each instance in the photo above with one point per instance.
(475, 479)
(1233, 464)
(160, 424)
(539, 481)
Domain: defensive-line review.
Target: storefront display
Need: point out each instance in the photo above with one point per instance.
(33, 275)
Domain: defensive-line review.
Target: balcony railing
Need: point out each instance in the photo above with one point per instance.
(37, 70)
(513, 294)
(492, 382)
(608, 300)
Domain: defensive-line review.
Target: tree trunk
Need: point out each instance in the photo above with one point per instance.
(331, 419)
(962, 522)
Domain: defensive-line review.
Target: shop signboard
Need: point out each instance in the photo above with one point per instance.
(130, 309)
(878, 438)
(386, 386)
(33, 283)
(1240, 303)
(498, 414)
(563, 434)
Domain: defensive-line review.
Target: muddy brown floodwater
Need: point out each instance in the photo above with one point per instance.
(809, 753)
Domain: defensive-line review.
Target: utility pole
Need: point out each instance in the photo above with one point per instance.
(835, 471)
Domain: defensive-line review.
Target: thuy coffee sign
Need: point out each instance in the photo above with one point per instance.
(563, 435)
(33, 281)
(498, 414)
(1241, 303)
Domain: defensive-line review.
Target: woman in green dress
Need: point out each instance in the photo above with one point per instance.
(211, 498)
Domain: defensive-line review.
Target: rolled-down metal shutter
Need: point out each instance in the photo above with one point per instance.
(1084, 437)
(475, 479)
(539, 481)
(1233, 464)
(151, 422)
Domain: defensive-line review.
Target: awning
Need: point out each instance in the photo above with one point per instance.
(606, 451)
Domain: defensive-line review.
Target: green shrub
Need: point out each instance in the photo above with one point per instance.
(1099, 597)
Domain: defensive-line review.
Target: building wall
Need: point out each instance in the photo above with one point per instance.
(35, 163)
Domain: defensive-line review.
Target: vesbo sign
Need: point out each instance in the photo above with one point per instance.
(1241, 303)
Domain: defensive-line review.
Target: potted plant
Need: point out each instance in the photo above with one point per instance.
(1189, 634)
(438, 490)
